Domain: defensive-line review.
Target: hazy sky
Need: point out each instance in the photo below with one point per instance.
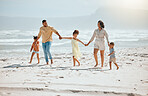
(62, 8)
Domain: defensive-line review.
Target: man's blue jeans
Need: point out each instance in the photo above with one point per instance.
(46, 48)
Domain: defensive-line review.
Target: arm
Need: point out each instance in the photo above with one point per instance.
(38, 43)
(111, 53)
(106, 35)
(66, 37)
(79, 41)
(56, 32)
(31, 47)
(39, 35)
(92, 38)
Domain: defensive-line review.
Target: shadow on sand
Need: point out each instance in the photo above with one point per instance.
(76, 69)
(19, 65)
(44, 66)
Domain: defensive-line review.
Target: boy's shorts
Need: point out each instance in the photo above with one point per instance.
(112, 60)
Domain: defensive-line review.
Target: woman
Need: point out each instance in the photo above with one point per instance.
(99, 44)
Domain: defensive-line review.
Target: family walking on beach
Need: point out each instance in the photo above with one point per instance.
(99, 44)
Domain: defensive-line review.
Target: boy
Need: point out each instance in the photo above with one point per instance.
(112, 55)
(35, 48)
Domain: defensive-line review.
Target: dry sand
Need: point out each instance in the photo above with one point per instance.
(18, 78)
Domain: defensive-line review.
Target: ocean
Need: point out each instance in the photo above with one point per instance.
(17, 43)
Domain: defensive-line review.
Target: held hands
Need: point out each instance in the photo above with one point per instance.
(108, 44)
(86, 44)
(108, 54)
(60, 37)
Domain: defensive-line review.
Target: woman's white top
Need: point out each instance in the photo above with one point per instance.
(99, 35)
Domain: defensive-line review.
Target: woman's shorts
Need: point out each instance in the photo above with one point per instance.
(99, 45)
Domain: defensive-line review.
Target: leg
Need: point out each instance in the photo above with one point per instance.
(31, 57)
(77, 61)
(74, 63)
(48, 51)
(38, 58)
(45, 52)
(95, 56)
(110, 64)
(102, 57)
(116, 66)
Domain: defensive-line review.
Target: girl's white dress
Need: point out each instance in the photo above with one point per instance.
(75, 49)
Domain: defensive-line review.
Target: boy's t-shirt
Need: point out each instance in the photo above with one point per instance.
(113, 55)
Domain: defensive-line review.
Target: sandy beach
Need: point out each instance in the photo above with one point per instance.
(18, 78)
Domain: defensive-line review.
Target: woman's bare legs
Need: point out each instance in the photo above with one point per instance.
(102, 57)
(31, 57)
(38, 58)
(95, 56)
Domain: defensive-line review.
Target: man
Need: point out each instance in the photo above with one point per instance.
(46, 32)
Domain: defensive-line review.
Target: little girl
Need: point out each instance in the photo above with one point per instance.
(75, 48)
(35, 48)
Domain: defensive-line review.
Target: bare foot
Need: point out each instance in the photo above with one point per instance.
(79, 64)
(47, 63)
(29, 62)
(117, 68)
(96, 65)
(51, 61)
(38, 63)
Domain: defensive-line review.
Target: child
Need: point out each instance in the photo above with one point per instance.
(112, 55)
(35, 48)
(75, 48)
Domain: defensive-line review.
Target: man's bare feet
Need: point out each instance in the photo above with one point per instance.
(29, 62)
(78, 64)
(38, 63)
(96, 65)
(51, 61)
(47, 63)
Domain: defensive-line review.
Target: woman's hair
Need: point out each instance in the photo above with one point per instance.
(101, 24)
(75, 32)
(35, 37)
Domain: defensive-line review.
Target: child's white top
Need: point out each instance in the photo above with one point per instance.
(75, 49)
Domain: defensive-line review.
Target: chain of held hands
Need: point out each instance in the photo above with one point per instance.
(60, 37)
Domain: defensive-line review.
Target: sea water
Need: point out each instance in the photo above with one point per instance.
(18, 42)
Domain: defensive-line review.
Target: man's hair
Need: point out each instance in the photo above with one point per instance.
(101, 23)
(35, 37)
(111, 43)
(75, 32)
(43, 21)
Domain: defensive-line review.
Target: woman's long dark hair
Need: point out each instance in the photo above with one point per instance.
(101, 24)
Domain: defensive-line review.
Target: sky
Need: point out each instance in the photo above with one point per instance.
(63, 8)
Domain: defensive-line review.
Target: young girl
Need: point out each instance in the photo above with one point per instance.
(35, 48)
(75, 48)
